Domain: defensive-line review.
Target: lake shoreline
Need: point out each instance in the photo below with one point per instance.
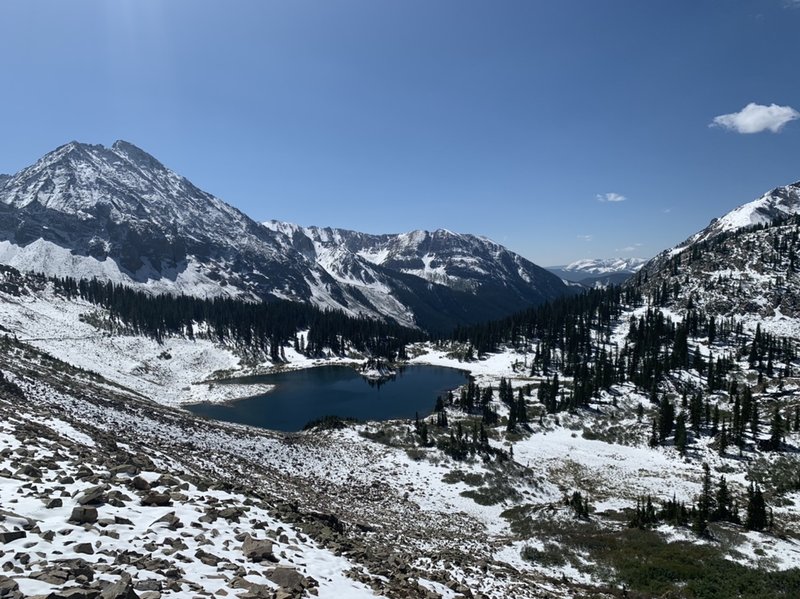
(297, 396)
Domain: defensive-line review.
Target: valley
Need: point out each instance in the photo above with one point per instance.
(613, 441)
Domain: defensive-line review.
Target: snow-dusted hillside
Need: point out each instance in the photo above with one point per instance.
(772, 206)
(743, 264)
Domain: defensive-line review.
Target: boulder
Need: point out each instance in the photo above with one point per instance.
(85, 548)
(93, 496)
(140, 484)
(9, 589)
(83, 515)
(156, 499)
(122, 589)
(12, 535)
(257, 550)
(285, 577)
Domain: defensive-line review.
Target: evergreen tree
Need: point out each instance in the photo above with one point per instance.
(680, 433)
(723, 510)
(776, 430)
(756, 518)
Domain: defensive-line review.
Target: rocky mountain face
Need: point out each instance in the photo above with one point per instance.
(769, 208)
(117, 213)
(744, 263)
(480, 275)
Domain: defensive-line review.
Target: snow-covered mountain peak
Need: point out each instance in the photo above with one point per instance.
(773, 205)
(118, 213)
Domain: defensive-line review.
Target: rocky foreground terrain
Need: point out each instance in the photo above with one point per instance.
(106, 494)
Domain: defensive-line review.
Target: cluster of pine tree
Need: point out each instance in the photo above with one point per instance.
(710, 506)
(260, 327)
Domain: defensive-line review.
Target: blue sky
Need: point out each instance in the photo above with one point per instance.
(510, 119)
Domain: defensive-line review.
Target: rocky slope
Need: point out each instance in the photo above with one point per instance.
(479, 275)
(117, 213)
(774, 205)
(743, 264)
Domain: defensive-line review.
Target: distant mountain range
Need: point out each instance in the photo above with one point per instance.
(598, 272)
(119, 214)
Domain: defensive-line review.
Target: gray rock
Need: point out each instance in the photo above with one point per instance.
(257, 550)
(54, 503)
(122, 589)
(156, 499)
(285, 577)
(83, 515)
(12, 535)
(74, 593)
(148, 584)
(84, 548)
(9, 589)
(140, 484)
(93, 496)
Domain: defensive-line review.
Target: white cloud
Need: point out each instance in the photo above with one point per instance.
(610, 197)
(667, 210)
(629, 248)
(585, 237)
(755, 118)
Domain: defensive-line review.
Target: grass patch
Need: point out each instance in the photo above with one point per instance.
(551, 556)
(493, 493)
(650, 566)
(459, 476)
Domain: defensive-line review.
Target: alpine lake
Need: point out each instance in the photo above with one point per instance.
(300, 397)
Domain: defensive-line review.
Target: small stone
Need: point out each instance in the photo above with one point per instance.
(54, 503)
(84, 548)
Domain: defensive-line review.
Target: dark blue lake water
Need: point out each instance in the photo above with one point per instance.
(301, 396)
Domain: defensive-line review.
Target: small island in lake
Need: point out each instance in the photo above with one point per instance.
(377, 369)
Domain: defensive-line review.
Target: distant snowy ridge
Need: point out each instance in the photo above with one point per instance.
(604, 266)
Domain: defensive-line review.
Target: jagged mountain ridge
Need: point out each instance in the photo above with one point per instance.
(743, 263)
(119, 214)
(774, 205)
(464, 263)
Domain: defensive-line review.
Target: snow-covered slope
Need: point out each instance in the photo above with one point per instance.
(773, 205)
(743, 263)
(118, 214)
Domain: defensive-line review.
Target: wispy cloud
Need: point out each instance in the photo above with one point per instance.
(755, 118)
(610, 197)
(629, 248)
(585, 237)
(667, 210)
